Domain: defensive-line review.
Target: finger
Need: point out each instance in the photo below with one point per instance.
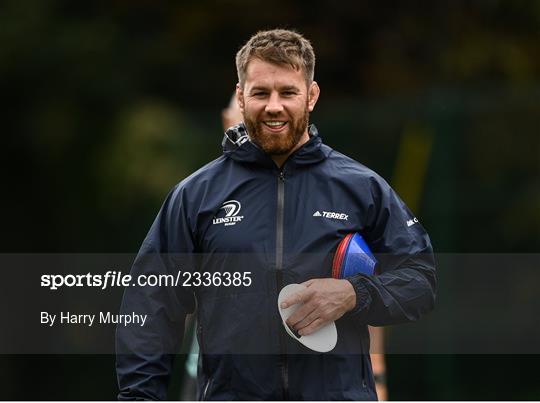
(296, 298)
(312, 327)
(300, 314)
(309, 282)
(308, 319)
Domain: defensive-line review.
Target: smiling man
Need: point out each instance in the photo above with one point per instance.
(275, 100)
(253, 219)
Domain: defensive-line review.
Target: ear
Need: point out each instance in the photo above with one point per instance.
(313, 95)
(240, 97)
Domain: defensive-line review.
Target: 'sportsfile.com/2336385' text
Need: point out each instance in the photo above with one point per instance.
(113, 278)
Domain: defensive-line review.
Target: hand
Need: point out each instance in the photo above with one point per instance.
(323, 301)
(382, 391)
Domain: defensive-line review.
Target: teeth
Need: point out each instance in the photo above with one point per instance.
(275, 124)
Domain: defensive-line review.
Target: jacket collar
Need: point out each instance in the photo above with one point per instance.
(237, 146)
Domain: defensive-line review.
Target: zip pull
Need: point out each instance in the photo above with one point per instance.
(282, 176)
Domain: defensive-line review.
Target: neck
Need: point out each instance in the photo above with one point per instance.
(280, 159)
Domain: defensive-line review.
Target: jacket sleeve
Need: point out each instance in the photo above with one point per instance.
(144, 354)
(404, 286)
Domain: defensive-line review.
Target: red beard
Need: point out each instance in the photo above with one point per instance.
(277, 143)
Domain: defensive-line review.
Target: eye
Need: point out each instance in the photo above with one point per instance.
(288, 93)
(259, 94)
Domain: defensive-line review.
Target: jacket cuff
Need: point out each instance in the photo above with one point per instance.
(363, 297)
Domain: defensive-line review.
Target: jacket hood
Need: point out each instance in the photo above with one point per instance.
(237, 146)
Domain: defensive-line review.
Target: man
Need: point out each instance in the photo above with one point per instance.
(231, 116)
(270, 212)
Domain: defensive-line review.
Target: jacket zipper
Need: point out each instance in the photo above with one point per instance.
(205, 391)
(201, 349)
(279, 276)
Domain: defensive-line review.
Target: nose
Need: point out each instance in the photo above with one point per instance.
(274, 104)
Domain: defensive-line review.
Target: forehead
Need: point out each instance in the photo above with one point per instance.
(262, 73)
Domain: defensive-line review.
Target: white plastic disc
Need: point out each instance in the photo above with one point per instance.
(323, 340)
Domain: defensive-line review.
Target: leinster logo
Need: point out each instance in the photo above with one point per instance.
(228, 213)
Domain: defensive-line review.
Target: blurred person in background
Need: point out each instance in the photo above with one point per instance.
(278, 173)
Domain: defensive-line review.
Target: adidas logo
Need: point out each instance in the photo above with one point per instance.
(412, 222)
(331, 214)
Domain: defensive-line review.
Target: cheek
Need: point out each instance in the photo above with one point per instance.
(253, 108)
(298, 109)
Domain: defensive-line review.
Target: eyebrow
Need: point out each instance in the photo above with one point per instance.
(285, 88)
(259, 88)
(290, 88)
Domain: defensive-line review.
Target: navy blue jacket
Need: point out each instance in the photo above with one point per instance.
(241, 213)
